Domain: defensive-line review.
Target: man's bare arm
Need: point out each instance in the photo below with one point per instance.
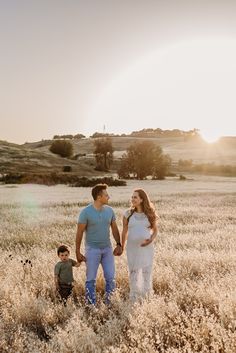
(115, 231)
(116, 234)
(79, 236)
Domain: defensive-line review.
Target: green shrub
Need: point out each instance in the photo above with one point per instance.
(58, 178)
(12, 178)
(62, 147)
(67, 168)
(85, 182)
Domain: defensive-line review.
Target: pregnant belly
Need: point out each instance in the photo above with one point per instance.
(137, 239)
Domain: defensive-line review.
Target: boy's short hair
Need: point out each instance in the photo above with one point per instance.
(97, 190)
(62, 248)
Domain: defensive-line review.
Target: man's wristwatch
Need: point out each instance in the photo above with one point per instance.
(118, 244)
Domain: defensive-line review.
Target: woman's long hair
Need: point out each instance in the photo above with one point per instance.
(147, 207)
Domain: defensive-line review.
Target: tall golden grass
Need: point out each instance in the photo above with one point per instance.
(193, 308)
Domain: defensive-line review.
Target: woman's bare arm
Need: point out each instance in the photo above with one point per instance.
(124, 233)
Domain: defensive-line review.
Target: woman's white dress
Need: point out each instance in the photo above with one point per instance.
(140, 259)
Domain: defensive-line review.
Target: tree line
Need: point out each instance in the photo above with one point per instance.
(149, 132)
(68, 137)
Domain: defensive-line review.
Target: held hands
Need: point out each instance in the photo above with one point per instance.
(81, 258)
(118, 251)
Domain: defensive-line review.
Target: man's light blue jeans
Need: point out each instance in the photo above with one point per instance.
(94, 257)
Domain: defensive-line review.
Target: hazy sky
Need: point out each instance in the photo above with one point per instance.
(74, 66)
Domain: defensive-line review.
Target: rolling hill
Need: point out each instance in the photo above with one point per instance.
(36, 157)
(221, 152)
(20, 158)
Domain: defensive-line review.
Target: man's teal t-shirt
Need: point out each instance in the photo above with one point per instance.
(98, 225)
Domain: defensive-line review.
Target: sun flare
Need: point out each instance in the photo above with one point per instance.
(189, 83)
(209, 136)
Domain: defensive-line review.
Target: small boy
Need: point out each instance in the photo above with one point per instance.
(63, 272)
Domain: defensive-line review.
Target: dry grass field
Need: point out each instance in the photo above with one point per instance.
(193, 308)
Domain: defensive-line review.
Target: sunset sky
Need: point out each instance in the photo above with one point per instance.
(75, 66)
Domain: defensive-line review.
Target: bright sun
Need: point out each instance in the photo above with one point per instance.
(209, 136)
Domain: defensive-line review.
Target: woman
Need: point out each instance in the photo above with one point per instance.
(139, 229)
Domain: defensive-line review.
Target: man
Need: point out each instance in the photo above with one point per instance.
(96, 220)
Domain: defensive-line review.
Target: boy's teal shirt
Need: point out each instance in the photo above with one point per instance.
(98, 224)
(64, 271)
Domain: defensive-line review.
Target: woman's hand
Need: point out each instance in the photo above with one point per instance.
(146, 242)
(149, 240)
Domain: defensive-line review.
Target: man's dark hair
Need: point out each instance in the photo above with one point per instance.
(98, 189)
(62, 248)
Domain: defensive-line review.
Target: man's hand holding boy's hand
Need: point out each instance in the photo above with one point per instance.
(81, 258)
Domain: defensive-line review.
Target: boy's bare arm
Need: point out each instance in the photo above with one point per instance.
(56, 280)
(79, 236)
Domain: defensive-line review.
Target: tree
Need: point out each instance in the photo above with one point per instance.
(124, 169)
(79, 136)
(62, 147)
(143, 159)
(55, 137)
(161, 166)
(138, 160)
(103, 153)
(185, 163)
